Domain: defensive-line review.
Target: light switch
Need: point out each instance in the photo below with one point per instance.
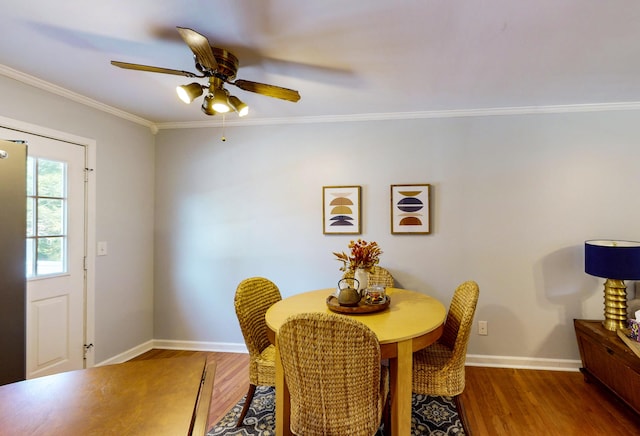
(102, 248)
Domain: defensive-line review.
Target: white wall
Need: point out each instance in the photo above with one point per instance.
(514, 199)
(125, 201)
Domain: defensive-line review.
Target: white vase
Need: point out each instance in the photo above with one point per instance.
(362, 275)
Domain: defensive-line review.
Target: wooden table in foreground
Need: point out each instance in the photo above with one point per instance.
(147, 397)
(412, 322)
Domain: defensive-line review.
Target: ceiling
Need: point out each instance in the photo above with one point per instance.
(344, 57)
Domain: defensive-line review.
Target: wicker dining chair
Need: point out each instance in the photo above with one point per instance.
(253, 297)
(439, 368)
(332, 368)
(378, 276)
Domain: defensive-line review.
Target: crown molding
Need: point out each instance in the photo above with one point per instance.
(58, 90)
(457, 113)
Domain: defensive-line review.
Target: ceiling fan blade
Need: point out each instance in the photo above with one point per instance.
(139, 67)
(200, 47)
(268, 90)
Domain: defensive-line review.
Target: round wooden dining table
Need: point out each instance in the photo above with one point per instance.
(412, 322)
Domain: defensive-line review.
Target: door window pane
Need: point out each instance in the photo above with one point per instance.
(51, 178)
(31, 163)
(31, 228)
(31, 259)
(50, 256)
(46, 217)
(50, 217)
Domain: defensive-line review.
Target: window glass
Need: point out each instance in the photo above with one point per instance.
(30, 216)
(50, 256)
(46, 217)
(50, 217)
(31, 176)
(51, 178)
(31, 259)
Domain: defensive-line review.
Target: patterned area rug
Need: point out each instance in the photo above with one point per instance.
(432, 416)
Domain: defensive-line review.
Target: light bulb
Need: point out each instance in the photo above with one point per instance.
(239, 106)
(220, 103)
(190, 92)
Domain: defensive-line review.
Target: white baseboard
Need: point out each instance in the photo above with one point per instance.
(129, 354)
(227, 347)
(523, 362)
(222, 347)
(167, 344)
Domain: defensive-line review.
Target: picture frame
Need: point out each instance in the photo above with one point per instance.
(341, 210)
(411, 209)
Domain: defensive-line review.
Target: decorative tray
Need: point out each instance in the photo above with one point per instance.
(362, 307)
(624, 335)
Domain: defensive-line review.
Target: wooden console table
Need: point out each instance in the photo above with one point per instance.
(609, 361)
(146, 397)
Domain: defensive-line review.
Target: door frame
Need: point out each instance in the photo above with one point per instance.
(90, 220)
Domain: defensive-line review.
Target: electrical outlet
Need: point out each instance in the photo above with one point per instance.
(483, 328)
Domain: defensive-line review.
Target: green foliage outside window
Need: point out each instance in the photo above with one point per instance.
(46, 208)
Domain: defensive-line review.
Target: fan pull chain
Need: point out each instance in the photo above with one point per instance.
(223, 137)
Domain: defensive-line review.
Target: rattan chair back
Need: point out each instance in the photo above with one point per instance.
(378, 276)
(439, 368)
(457, 327)
(254, 296)
(332, 368)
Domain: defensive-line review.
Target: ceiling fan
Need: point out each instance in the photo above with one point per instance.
(219, 66)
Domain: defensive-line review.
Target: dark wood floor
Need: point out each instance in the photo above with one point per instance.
(497, 401)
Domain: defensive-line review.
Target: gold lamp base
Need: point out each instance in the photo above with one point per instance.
(615, 305)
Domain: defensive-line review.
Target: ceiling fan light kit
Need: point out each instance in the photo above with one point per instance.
(207, 105)
(190, 92)
(238, 106)
(220, 101)
(220, 67)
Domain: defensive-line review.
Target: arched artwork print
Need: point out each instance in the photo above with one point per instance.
(341, 210)
(410, 211)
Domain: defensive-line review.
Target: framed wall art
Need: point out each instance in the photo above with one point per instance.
(341, 210)
(410, 211)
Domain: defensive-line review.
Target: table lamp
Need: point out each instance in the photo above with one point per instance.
(615, 261)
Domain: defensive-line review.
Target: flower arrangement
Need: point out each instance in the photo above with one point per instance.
(363, 254)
